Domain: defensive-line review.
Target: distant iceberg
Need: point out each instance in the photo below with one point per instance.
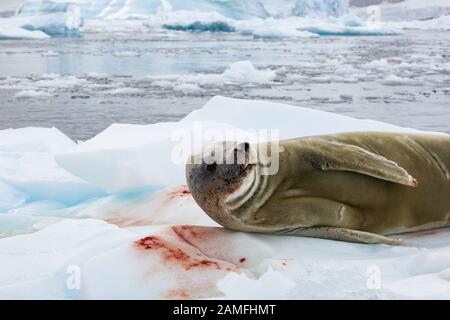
(234, 9)
(41, 19)
(53, 18)
(260, 18)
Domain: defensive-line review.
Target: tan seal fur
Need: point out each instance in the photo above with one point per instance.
(356, 187)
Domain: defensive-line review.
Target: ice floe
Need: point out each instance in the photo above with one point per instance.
(144, 237)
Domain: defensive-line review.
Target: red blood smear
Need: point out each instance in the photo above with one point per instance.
(242, 260)
(185, 232)
(169, 252)
(178, 294)
(181, 191)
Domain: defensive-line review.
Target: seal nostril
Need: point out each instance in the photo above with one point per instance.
(211, 167)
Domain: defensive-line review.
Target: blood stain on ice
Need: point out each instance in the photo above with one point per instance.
(178, 294)
(180, 191)
(172, 253)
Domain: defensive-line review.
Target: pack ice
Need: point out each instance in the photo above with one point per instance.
(111, 217)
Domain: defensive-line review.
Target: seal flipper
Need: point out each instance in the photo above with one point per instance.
(331, 155)
(340, 234)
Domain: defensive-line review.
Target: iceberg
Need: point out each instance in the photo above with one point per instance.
(52, 18)
(8, 31)
(42, 19)
(261, 18)
(409, 10)
(115, 206)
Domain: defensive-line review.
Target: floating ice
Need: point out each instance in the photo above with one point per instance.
(244, 71)
(237, 73)
(393, 80)
(126, 54)
(28, 94)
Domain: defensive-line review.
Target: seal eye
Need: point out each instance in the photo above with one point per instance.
(211, 167)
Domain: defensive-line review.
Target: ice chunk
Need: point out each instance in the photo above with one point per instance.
(10, 198)
(244, 71)
(27, 94)
(53, 18)
(124, 91)
(46, 140)
(126, 54)
(8, 31)
(39, 19)
(188, 88)
(24, 150)
(124, 152)
(393, 80)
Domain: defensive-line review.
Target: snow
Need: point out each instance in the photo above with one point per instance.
(85, 243)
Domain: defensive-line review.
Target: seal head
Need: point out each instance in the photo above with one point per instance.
(222, 177)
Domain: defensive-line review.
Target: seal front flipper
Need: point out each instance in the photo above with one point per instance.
(340, 234)
(331, 155)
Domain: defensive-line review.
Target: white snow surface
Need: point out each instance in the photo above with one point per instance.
(63, 237)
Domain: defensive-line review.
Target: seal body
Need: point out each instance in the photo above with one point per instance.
(355, 187)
